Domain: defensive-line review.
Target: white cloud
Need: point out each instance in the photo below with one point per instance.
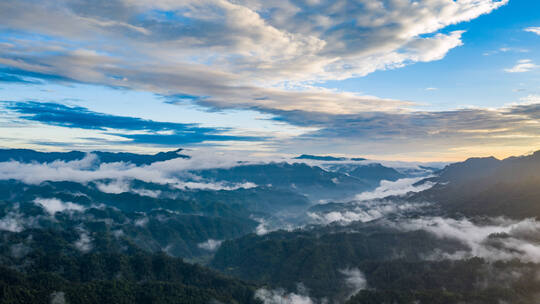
(281, 297)
(354, 279)
(121, 186)
(141, 222)
(15, 221)
(84, 243)
(427, 135)
(118, 233)
(173, 172)
(115, 186)
(262, 54)
(363, 211)
(262, 228)
(146, 192)
(53, 205)
(215, 185)
(344, 217)
(210, 245)
(58, 297)
(12, 222)
(398, 188)
(522, 66)
(518, 239)
(533, 29)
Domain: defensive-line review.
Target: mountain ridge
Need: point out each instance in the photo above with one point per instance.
(29, 155)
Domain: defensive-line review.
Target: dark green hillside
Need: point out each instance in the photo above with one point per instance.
(315, 257)
(395, 266)
(115, 278)
(154, 231)
(102, 255)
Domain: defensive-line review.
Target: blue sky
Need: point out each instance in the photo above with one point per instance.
(400, 79)
(470, 75)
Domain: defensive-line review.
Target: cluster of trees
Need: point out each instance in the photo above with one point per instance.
(119, 278)
(78, 256)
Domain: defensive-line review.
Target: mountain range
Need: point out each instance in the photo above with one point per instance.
(128, 227)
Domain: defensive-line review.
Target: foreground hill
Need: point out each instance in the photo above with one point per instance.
(118, 278)
(52, 251)
(371, 263)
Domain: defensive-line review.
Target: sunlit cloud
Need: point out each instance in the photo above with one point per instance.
(265, 57)
(244, 54)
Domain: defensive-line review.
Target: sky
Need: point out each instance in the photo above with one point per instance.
(409, 80)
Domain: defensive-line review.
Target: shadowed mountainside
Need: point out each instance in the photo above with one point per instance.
(488, 186)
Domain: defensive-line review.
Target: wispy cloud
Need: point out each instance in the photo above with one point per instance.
(364, 211)
(117, 177)
(12, 222)
(442, 132)
(280, 296)
(522, 66)
(395, 188)
(84, 243)
(533, 29)
(495, 239)
(355, 280)
(210, 245)
(54, 205)
(10, 78)
(149, 131)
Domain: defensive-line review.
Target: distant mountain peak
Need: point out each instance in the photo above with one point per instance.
(485, 159)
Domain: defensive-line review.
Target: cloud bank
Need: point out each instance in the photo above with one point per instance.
(279, 296)
(266, 56)
(364, 211)
(231, 54)
(501, 131)
(394, 188)
(374, 205)
(174, 171)
(496, 239)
